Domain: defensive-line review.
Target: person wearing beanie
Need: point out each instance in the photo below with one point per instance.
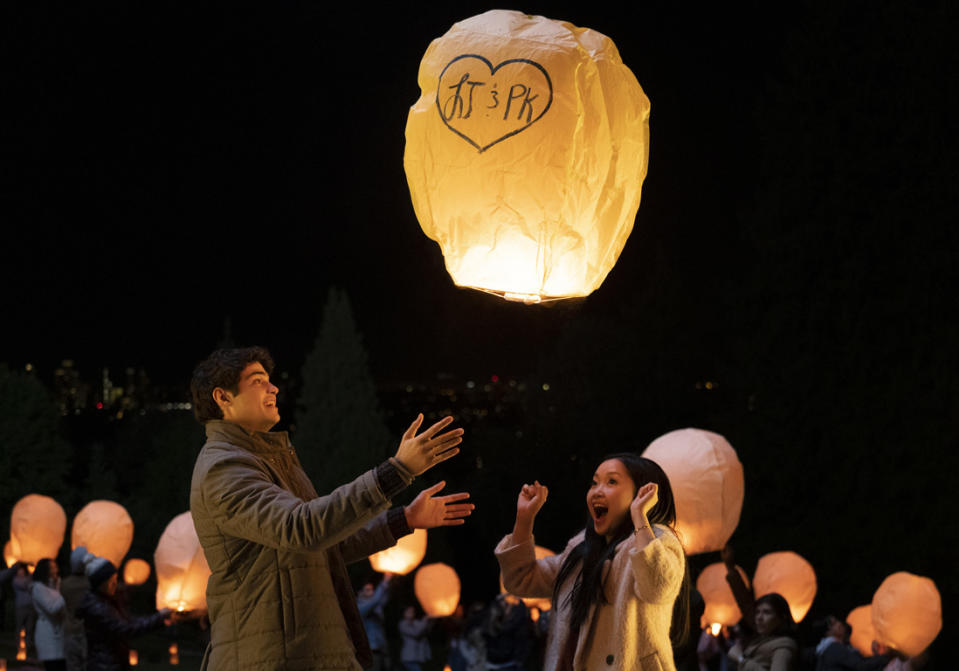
(108, 626)
(73, 588)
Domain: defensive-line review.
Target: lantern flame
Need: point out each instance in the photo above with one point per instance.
(133, 658)
(715, 628)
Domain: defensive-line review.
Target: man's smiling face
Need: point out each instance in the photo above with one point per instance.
(253, 406)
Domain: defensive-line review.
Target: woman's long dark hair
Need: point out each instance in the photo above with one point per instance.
(41, 573)
(590, 555)
(787, 626)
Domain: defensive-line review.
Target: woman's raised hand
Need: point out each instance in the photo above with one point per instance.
(531, 498)
(646, 498)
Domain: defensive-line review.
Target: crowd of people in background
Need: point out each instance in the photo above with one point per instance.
(79, 622)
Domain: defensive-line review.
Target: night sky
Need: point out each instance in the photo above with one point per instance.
(169, 169)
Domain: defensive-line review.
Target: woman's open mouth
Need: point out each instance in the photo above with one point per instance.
(600, 512)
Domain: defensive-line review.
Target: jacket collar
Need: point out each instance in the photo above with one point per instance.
(258, 441)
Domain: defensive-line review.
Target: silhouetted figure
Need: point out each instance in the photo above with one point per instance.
(416, 648)
(370, 602)
(508, 634)
(73, 588)
(49, 605)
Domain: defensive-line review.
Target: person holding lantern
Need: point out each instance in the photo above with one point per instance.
(773, 648)
(279, 595)
(615, 586)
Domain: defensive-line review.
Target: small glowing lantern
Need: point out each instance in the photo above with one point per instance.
(708, 486)
(721, 607)
(105, 529)
(437, 588)
(22, 646)
(37, 525)
(3, 663)
(133, 658)
(174, 654)
(11, 553)
(863, 633)
(531, 602)
(526, 154)
(181, 568)
(403, 557)
(790, 576)
(907, 612)
(136, 572)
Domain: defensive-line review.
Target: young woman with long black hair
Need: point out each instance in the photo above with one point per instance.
(615, 586)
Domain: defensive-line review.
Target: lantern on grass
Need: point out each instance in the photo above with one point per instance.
(181, 568)
(907, 612)
(105, 529)
(721, 607)
(790, 576)
(37, 526)
(863, 633)
(437, 588)
(708, 486)
(534, 604)
(526, 154)
(136, 572)
(403, 557)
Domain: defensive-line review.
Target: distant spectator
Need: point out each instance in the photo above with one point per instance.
(48, 634)
(73, 588)
(416, 647)
(467, 648)
(508, 634)
(773, 648)
(370, 602)
(835, 654)
(26, 614)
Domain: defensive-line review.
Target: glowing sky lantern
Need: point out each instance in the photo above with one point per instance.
(11, 553)
(181, 568)
(721, 606)
(437, 588)
(540, 604)
(707, 482)
(403, 557)
(105, 529)
(789, 575)
(526, 154)
(863, 633)
(907, 612)
(38, 525)
(136, 572)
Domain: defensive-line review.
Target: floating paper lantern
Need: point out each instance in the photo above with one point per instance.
(533, 603)
(721, 606)
(181, 568)
(136, 572)
(707, 482)
(11, 553)
(907, 612)
(526, 154)
(403, 557)
(105, 529)
(863, 633)
(437, 588)
(38, 525)
(790, 576)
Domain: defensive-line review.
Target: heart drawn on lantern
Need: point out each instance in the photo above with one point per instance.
(486, 104)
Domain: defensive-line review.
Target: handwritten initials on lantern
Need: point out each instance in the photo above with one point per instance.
(485, 105)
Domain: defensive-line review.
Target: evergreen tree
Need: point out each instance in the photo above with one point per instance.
(340, 431)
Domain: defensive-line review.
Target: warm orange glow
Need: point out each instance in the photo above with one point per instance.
(534, 614)
(715, 628)
(22, 646)
(403, 557)
(437, 588)
(721, 607)
(708, 486)
(136, 572)
(133, 658)
(37, 524)
(11, 553)
(105, 529)
(907, 612)
(789, 575)
(531, 602)
(3, 662)
(526, 154)
(174, 654)
(181, 568)
(863, 633)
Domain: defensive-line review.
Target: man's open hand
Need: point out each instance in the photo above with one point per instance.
(428, 511)
(419, 453)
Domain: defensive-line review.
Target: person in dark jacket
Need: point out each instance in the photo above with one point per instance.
(508, 634)
(73, 588)
(835, 654)
(108, 627)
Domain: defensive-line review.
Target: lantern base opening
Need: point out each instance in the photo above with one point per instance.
(527, 299)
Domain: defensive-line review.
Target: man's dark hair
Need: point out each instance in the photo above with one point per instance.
(222, 369)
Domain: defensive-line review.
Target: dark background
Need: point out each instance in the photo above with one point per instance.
(172, 169)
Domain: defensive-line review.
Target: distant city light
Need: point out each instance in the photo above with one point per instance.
(99, 405)
(546, 386)
(29, 367)
(494, 378)
(470, 384)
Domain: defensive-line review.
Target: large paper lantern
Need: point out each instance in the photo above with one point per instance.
(526, 154)
(105, 529)
(707, 482)
(907, 612)
(403, 557)
(790, 576)
(863, 633)
(181, 568)
(38, 525)
(531, 602)
(437, 588)
(721, 606)
(136, 572)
